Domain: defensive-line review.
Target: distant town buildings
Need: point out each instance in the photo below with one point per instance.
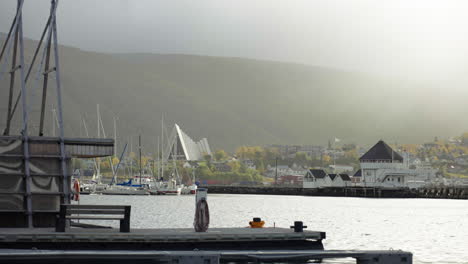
(284, 170)
(318, 178)
(289, 151)
(293, 180)
(380, 166)
(337, 168)
(221, 166)
(249, 164)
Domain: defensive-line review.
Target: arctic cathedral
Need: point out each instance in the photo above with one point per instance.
(185, 147)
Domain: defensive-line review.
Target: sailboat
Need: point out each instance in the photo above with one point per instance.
(191, 189)
(132, 186)
(170, 186)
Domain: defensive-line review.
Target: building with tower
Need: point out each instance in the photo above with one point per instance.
(381, 166)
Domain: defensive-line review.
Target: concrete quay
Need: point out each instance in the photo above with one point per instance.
(375, 192)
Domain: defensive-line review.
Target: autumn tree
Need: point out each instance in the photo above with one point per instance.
(351, 154)
(301, 158)
(220, 155)
(234, 165)
(207, 157)
(115, 161)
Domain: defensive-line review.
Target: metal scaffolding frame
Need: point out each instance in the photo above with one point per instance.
(15, 38)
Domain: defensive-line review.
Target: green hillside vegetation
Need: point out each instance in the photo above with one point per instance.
(234, 101)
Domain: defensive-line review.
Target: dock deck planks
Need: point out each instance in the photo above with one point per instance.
(154, 235)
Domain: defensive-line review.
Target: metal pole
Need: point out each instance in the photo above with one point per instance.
(155, 157)
(162, 146)
(98, 121)
(12, 28)
(66, 177)
(98, 160)
(46, 79)
(276, 171)
(30, 66)
(53, 122)
(139, 149)
(115, 136)
(321, 159)
(118, 165)
(131, 158)
(25, 120)
(334, 161)
(158, 153)
(12, 81)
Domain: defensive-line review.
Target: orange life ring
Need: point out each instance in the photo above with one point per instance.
(76, 190)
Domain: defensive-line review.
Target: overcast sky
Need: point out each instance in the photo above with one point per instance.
(426, 38)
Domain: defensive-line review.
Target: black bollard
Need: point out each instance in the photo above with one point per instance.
(298, 226)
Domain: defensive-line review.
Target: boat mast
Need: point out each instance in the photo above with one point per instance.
(115, 135)
(131, 158)
(98, 174)
(139, 150)
(157, 158)
(162, 146)
(174, 160)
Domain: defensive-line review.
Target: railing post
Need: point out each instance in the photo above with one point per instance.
(61, 220)
(125, 223)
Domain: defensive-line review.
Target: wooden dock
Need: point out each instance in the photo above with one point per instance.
(201, 257)
(162, 239)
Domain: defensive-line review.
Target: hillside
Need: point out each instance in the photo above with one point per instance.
(234, 101)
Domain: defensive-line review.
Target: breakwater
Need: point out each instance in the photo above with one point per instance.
(429, 192)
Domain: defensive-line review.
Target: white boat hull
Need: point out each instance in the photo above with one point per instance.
(120, 190)
(175, 191)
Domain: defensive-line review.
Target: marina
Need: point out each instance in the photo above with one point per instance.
(146, 219)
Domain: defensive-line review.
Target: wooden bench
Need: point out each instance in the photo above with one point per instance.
(94, 212)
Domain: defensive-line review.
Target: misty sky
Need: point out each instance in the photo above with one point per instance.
(423, 38)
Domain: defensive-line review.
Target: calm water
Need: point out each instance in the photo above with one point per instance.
(436, 231)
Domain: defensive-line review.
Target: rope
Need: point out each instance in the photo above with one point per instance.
(202, 216)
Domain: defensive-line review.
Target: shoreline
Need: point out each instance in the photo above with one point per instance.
(460, 193)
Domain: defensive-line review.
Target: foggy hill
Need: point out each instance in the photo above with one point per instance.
(235, 101)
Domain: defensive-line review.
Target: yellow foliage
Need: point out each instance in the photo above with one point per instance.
(144, 160)
(464, 135)
(326, 158)
(410, 148)
(235, 166)
(351, 154)
(246, 152)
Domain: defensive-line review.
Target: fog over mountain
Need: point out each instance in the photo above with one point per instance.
(259, 72)
(419, 39)
(234, 101)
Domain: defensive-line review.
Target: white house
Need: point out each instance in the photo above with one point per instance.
(337, 180)
(314, 178)
(342, 180)
(356, 178)
(381, 166)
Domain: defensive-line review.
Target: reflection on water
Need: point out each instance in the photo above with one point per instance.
(436, 231)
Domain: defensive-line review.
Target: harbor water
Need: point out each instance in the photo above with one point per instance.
(435, 230)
